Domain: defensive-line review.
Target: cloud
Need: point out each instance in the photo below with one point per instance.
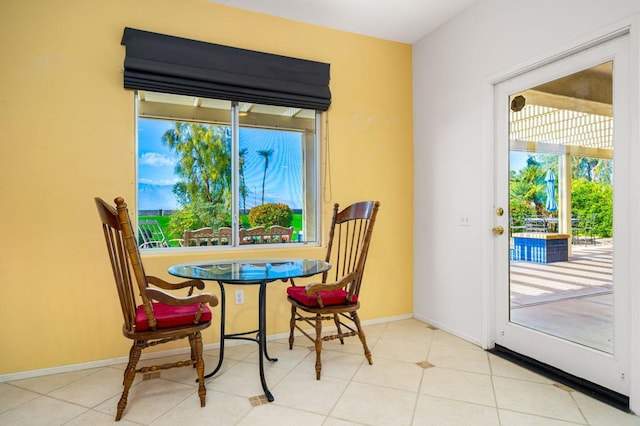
(161, 182)
(154, 159)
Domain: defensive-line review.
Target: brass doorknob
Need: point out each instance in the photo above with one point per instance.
(498, 230)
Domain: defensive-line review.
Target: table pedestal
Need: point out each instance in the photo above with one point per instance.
(260, 335)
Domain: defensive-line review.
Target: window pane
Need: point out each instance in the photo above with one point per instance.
(186, 172)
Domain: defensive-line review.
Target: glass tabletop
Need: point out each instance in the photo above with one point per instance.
(250, 271)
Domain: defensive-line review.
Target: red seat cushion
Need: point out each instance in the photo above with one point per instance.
(329, 298)
(168, 316)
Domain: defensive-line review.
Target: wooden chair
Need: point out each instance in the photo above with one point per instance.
(159, 317)
(336, 297)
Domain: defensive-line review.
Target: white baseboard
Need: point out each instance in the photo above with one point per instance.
(449, 330)
(124, 359)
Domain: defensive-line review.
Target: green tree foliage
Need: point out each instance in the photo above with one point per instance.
(243, 185)
(196, 216)
(204, 168)
(593, 200)
(592, 169)
(271, 214)
(527, 187)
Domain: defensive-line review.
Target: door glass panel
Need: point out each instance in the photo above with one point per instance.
(561, 208)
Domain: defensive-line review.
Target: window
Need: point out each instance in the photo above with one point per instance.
(246, 172)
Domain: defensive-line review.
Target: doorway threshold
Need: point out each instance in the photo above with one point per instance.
(591, 389)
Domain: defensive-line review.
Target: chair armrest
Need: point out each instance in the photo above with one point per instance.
(313, 288)
(168, 299)
(159, 282)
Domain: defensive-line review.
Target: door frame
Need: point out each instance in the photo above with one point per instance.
(631, 28)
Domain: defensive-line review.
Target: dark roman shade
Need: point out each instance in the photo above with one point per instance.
(167, 64)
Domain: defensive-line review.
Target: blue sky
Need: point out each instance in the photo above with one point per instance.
(518, 160)
(284, 175)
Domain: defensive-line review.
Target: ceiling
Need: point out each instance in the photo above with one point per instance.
(405, 21)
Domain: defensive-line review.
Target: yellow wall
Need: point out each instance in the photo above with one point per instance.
(67, 130)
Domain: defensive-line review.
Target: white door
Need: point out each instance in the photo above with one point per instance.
(561, 275)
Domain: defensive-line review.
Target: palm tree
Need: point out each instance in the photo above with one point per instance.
(266, 153)
(243, 185)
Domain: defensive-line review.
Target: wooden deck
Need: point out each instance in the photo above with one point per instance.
(572, 300)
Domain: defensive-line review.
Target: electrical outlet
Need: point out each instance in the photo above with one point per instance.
(465, 220)
(239, 297)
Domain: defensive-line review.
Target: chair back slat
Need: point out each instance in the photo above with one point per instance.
(349, 240)
(125, 258)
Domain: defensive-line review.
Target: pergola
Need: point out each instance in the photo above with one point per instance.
(571, 116)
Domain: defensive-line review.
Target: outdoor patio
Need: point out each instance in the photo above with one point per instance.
(572, 300)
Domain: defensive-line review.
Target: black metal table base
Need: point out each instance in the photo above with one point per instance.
(260, 335)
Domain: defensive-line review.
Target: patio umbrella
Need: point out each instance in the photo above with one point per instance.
(551, 205)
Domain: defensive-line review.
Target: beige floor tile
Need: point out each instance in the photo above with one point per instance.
(93, 389)
(41, 411)
(12, 396)
(503, 368)
(374, 331)
(401, 349)
(222, 409)
(409, 329)
(433, 411)
(375, 405)
(459, 359)
(95, 418)
(475, 388)
(49, 383)
(302, 391)
(274, 415)
(442, 338)
(149, 400)
(243, 379)
(512, 418)
(458, 385)
(334, 364)
(536, 398)
(286, 358)
(330, 421)
(390, 373)
(601, 414)
(239, 351)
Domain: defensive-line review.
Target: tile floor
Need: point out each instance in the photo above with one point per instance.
(420, 376)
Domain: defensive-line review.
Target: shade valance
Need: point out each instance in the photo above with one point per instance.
(168, 64)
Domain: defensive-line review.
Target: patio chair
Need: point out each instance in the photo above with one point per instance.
(515, 228)
(201, 237)
(584, 228)
(151, 235)
(536, 224)
(279, 234)
(156, 317)
(335, 298)
(253, 235)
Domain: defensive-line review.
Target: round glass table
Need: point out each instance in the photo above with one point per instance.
(249, 272)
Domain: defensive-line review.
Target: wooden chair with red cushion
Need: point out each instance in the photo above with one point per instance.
(158, 317)
(336, 297)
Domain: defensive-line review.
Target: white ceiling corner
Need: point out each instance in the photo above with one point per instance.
(404, 21)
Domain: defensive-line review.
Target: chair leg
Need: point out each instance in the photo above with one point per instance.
(197, 348)
(318, 345)
(193, 350)
(129, 375)
(292, 325)
(336, 319)
(367, 352)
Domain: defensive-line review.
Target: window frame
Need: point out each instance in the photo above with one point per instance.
(311, 181)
